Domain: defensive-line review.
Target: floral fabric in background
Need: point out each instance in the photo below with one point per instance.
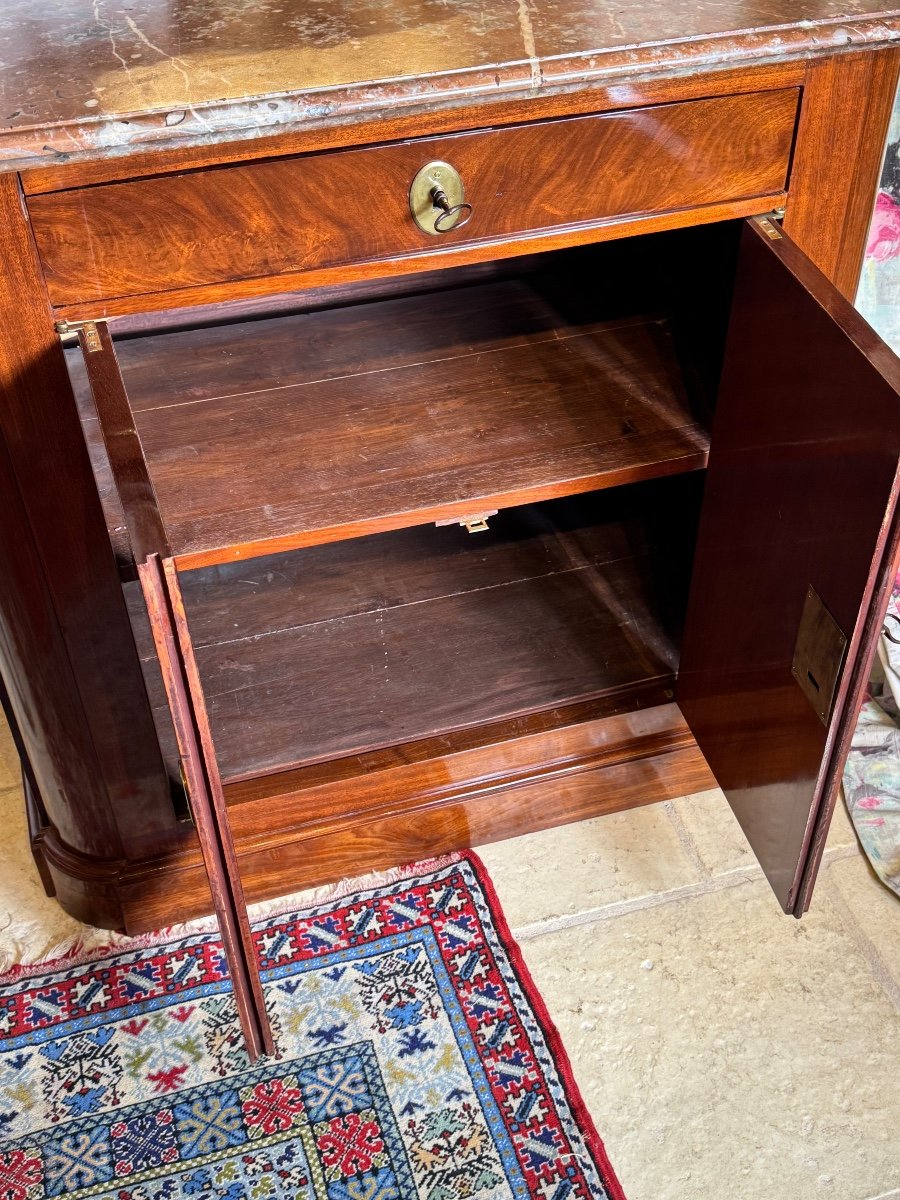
(872, 774)
(879, 293)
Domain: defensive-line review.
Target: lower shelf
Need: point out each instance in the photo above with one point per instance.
(379, 642)
(387, 698)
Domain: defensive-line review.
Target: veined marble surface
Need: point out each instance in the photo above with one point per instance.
(97, 77)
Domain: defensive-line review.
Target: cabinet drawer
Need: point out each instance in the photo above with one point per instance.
(281, 217)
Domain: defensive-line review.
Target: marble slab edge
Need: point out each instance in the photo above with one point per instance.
(105, 136)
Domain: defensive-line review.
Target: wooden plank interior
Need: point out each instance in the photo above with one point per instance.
(340, 649)
(402, 411)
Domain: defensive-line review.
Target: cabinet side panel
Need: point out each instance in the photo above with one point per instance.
(844, 120)
(41, 690)
(95, 667)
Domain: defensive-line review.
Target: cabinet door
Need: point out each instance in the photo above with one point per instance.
(797, 549)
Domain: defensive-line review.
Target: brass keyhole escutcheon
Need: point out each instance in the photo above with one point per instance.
(437, 199)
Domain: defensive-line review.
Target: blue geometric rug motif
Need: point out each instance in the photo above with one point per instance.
(416, 1062)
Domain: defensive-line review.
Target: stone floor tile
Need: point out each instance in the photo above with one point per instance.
(31, 923)
(577, 868)
(874, 909)
(841, 832)
(10, 773)
(711, 826)
(727, 1051)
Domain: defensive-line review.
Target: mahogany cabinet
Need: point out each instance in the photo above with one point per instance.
(584, 500)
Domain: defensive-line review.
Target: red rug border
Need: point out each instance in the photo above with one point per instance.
(77, 957)
(551, 1034)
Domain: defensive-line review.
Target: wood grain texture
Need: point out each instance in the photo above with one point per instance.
(431, 261)
(406, 811)
(40, 690)
(165, 607)
(382, 641)
(86, 720)
(399, 838)
(847, 105)
(325, 211)
(801, 488)
(134, 487)
(479, 793)
(399, 413)
(846, 96)
(349, 791)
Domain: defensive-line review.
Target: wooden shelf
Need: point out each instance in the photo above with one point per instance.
(268, 435)
(346, 648)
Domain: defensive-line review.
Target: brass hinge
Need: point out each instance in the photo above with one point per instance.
(67, 329)
(769, 228)
(767, 223)
(477, 523)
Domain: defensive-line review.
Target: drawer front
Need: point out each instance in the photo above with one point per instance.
(289, 215)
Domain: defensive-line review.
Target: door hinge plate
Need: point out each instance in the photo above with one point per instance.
(819, 654)
(769, 228)
(89, 328)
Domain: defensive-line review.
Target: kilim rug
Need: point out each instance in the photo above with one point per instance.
(417, 1062)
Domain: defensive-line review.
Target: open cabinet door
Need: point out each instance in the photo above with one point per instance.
(796, 553)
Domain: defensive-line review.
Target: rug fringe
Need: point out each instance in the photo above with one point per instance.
(90, 944)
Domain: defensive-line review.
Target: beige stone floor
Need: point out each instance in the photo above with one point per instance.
(726, 1051)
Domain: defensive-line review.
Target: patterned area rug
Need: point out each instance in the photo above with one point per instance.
(417, 1062)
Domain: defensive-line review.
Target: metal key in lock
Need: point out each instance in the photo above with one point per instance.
(437, 199)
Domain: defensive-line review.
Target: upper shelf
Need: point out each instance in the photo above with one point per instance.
(304, 429)
(83, 79)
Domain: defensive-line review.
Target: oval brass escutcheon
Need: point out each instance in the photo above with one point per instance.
(438, 179)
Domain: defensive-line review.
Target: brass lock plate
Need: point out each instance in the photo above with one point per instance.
(819, 655)
(421, 203)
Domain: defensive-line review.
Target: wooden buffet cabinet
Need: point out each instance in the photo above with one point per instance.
(251, 390)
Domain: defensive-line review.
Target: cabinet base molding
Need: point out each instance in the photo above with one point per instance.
(537, 781)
